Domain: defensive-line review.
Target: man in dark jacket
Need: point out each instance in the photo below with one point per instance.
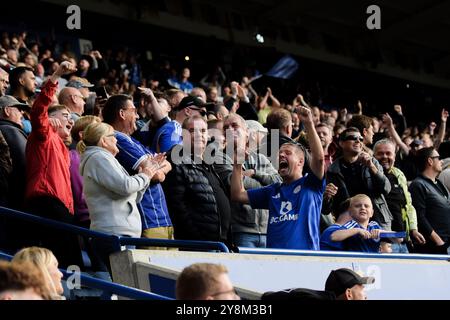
(249, 225)
(196, 197)
(432, 202)
(11, 127)
(358, 172)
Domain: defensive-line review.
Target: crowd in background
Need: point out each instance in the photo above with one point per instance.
(88, 140)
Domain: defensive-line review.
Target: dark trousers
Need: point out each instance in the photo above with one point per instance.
(64, 245)
(430, 248)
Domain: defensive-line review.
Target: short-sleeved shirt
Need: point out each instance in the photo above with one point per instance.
(167, 137)
(325, 239)
(356, 243)
(152, 207)
(294, 212)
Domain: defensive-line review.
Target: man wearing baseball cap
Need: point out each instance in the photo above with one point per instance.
(11, 115)
(346, 284)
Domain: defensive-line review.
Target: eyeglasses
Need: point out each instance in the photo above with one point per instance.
(201, 111)
(435, 157)
(353, 138)
(132, 109)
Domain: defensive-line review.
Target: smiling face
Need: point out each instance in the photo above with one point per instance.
(385, 154)
(290, 161)
(64, 117)
(235, 129)
(109, 142)
(325, 136)
(361, 209)
(129, 115)
(351, 144)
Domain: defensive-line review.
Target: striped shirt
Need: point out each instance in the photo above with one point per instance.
(356, 243)
(153, 207)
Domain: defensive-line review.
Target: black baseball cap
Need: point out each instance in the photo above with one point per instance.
(342, 279)
(191, 101)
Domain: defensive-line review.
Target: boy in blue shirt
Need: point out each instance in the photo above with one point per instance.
(294, 205)
(359, 234)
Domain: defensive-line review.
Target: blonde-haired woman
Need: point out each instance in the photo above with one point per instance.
(81, 216)
(111, 193)
(47, 264)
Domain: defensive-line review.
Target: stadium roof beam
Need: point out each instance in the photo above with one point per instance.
(418, 20)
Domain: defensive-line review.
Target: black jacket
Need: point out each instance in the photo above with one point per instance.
(16, 139)
(192, 203)
(432, 204)
(377, 184)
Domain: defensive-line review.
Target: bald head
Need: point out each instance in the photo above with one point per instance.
(4, 82)
(73, 99)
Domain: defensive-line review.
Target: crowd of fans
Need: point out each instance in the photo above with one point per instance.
(89, 141)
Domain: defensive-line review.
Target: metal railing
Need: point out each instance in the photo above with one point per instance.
(116, 241)
(106, 286)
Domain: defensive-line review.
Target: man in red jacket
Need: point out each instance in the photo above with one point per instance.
(48, 191)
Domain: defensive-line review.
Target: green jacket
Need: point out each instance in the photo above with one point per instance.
(408, 212)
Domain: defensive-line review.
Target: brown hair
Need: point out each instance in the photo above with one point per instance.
(21, 276)
(278, 119)
(360, 122)
(198, 280)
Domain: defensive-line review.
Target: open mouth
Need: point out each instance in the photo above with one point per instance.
(283, 164)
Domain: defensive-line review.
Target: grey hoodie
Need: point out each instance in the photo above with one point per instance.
(111, 193)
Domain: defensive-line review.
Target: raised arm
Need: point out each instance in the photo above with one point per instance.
(317, 163)
(387, 120)
(152, 105)
(442, 129)
(238, 192)
(39, 117)
(275, 102)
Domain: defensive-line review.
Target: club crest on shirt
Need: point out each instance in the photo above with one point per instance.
(297, 189)
(286, 207)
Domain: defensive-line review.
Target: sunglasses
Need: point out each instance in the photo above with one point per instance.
(353, 138)
(201, 111)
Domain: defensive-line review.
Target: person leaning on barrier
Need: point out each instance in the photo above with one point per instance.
(205, 281)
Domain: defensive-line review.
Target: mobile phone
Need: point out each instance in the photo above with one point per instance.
(101, 92)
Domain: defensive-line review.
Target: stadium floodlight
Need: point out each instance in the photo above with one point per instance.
(259, 38)
(187, 58)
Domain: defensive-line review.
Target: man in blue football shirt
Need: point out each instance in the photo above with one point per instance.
(294, 205)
